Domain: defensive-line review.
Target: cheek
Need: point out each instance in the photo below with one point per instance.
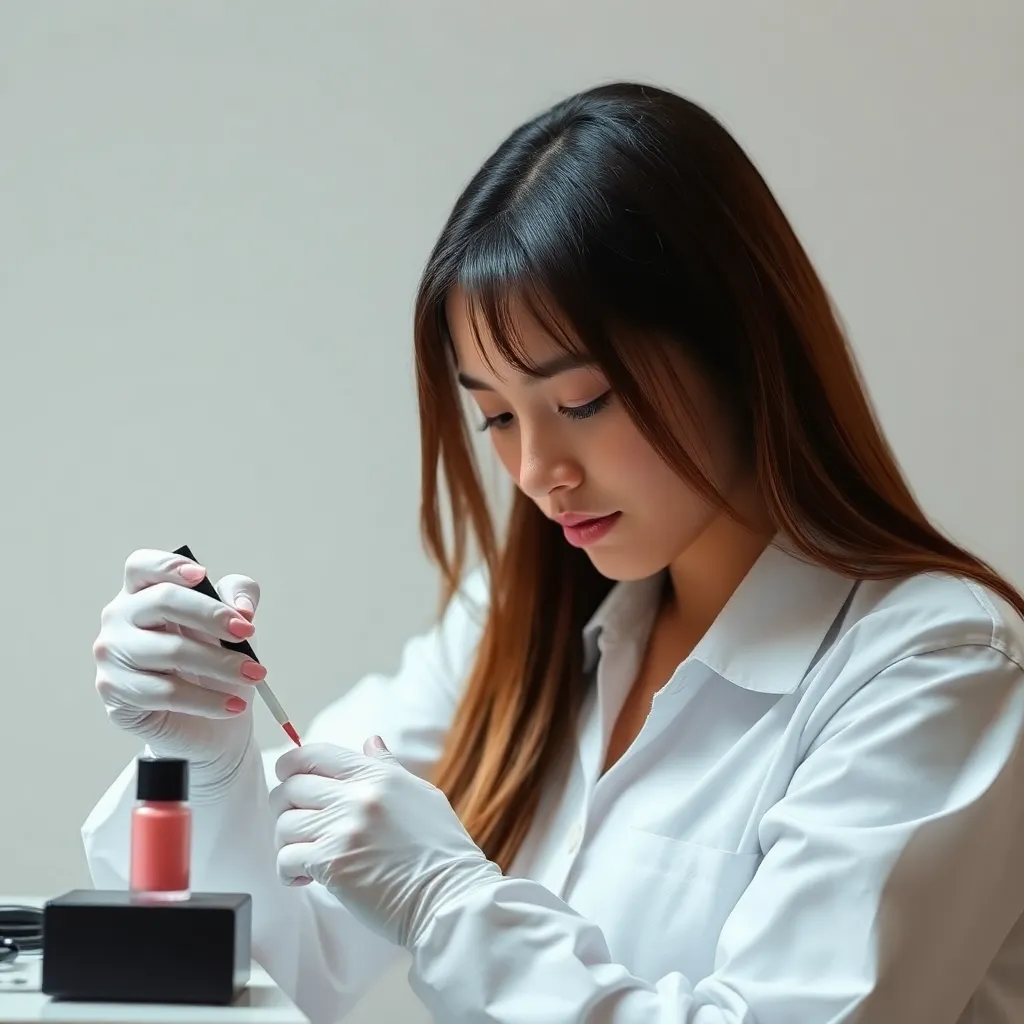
(626, 465)
(506, 449)
(637, 461)
(653, 487)
(621, 459)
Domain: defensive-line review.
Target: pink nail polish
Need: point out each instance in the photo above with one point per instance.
(161, 830)
(234, 704)
(241, 628)
(253, 670)
(192, 573)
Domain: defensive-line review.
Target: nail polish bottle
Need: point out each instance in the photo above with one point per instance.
(161, 830)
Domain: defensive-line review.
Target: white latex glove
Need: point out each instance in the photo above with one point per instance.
(384, 842)
(160, 669)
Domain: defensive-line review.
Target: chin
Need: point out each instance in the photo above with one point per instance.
(625, 566)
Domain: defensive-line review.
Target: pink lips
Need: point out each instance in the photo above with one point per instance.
(581, 530)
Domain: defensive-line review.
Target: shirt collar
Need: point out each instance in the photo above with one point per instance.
(765, 638)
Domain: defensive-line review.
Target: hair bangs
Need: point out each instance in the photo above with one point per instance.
(508, 284)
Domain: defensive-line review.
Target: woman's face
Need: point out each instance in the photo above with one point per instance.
(570, 446)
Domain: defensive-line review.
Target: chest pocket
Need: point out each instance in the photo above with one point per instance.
(664, 908)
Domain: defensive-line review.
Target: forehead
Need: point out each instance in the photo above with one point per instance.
(480, 353)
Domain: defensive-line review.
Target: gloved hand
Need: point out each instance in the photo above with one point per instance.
(384, 842)
(160, 669)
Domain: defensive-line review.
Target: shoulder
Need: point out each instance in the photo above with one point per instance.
(929, 644)
(931, 612)
(469, 605)
(921, 664)
(462, 623)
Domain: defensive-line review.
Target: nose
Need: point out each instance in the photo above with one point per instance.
(545, 465)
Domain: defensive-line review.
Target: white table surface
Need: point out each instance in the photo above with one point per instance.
(21, 1001)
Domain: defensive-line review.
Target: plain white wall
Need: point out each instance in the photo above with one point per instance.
(212, 219)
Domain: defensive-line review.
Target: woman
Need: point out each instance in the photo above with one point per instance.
(724, 730)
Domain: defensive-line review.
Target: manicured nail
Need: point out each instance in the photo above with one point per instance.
(241, 628)
(253, 670)
(244, 605)
(193, 573)
(234, 704)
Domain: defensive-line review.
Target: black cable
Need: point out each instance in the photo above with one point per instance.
(21, 930)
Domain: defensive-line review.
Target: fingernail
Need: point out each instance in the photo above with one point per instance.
(244, 605)
(193, 573)
(253, 670)
(234, 704)
(241, 628)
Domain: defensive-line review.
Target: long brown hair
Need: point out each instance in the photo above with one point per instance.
(631, 214)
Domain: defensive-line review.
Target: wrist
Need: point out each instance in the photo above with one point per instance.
(450, 895)
(213, 778)
(210, 777)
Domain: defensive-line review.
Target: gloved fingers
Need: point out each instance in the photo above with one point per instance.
(295, 863)
(304, 793)
(324, 759)
(296, 825)
(147, 566)
(157, 651)
(241, 592)
(165, 605)
(166, 692)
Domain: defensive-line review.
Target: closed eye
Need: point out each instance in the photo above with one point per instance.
(503, 420)
(499, 422)
(583, 412)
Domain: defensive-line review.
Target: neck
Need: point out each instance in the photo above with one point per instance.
(707, 573)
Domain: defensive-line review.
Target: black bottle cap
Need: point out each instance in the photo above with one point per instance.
(162, 778)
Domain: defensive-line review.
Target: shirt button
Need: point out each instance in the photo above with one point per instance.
(575, 836)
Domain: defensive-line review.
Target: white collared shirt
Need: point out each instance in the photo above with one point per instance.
(820, 821)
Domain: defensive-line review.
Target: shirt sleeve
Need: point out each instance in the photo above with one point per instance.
(890, 878)
(320, 955)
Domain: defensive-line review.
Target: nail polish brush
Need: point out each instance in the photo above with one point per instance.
(204, 586)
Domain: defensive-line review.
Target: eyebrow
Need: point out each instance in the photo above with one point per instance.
(542, 371)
